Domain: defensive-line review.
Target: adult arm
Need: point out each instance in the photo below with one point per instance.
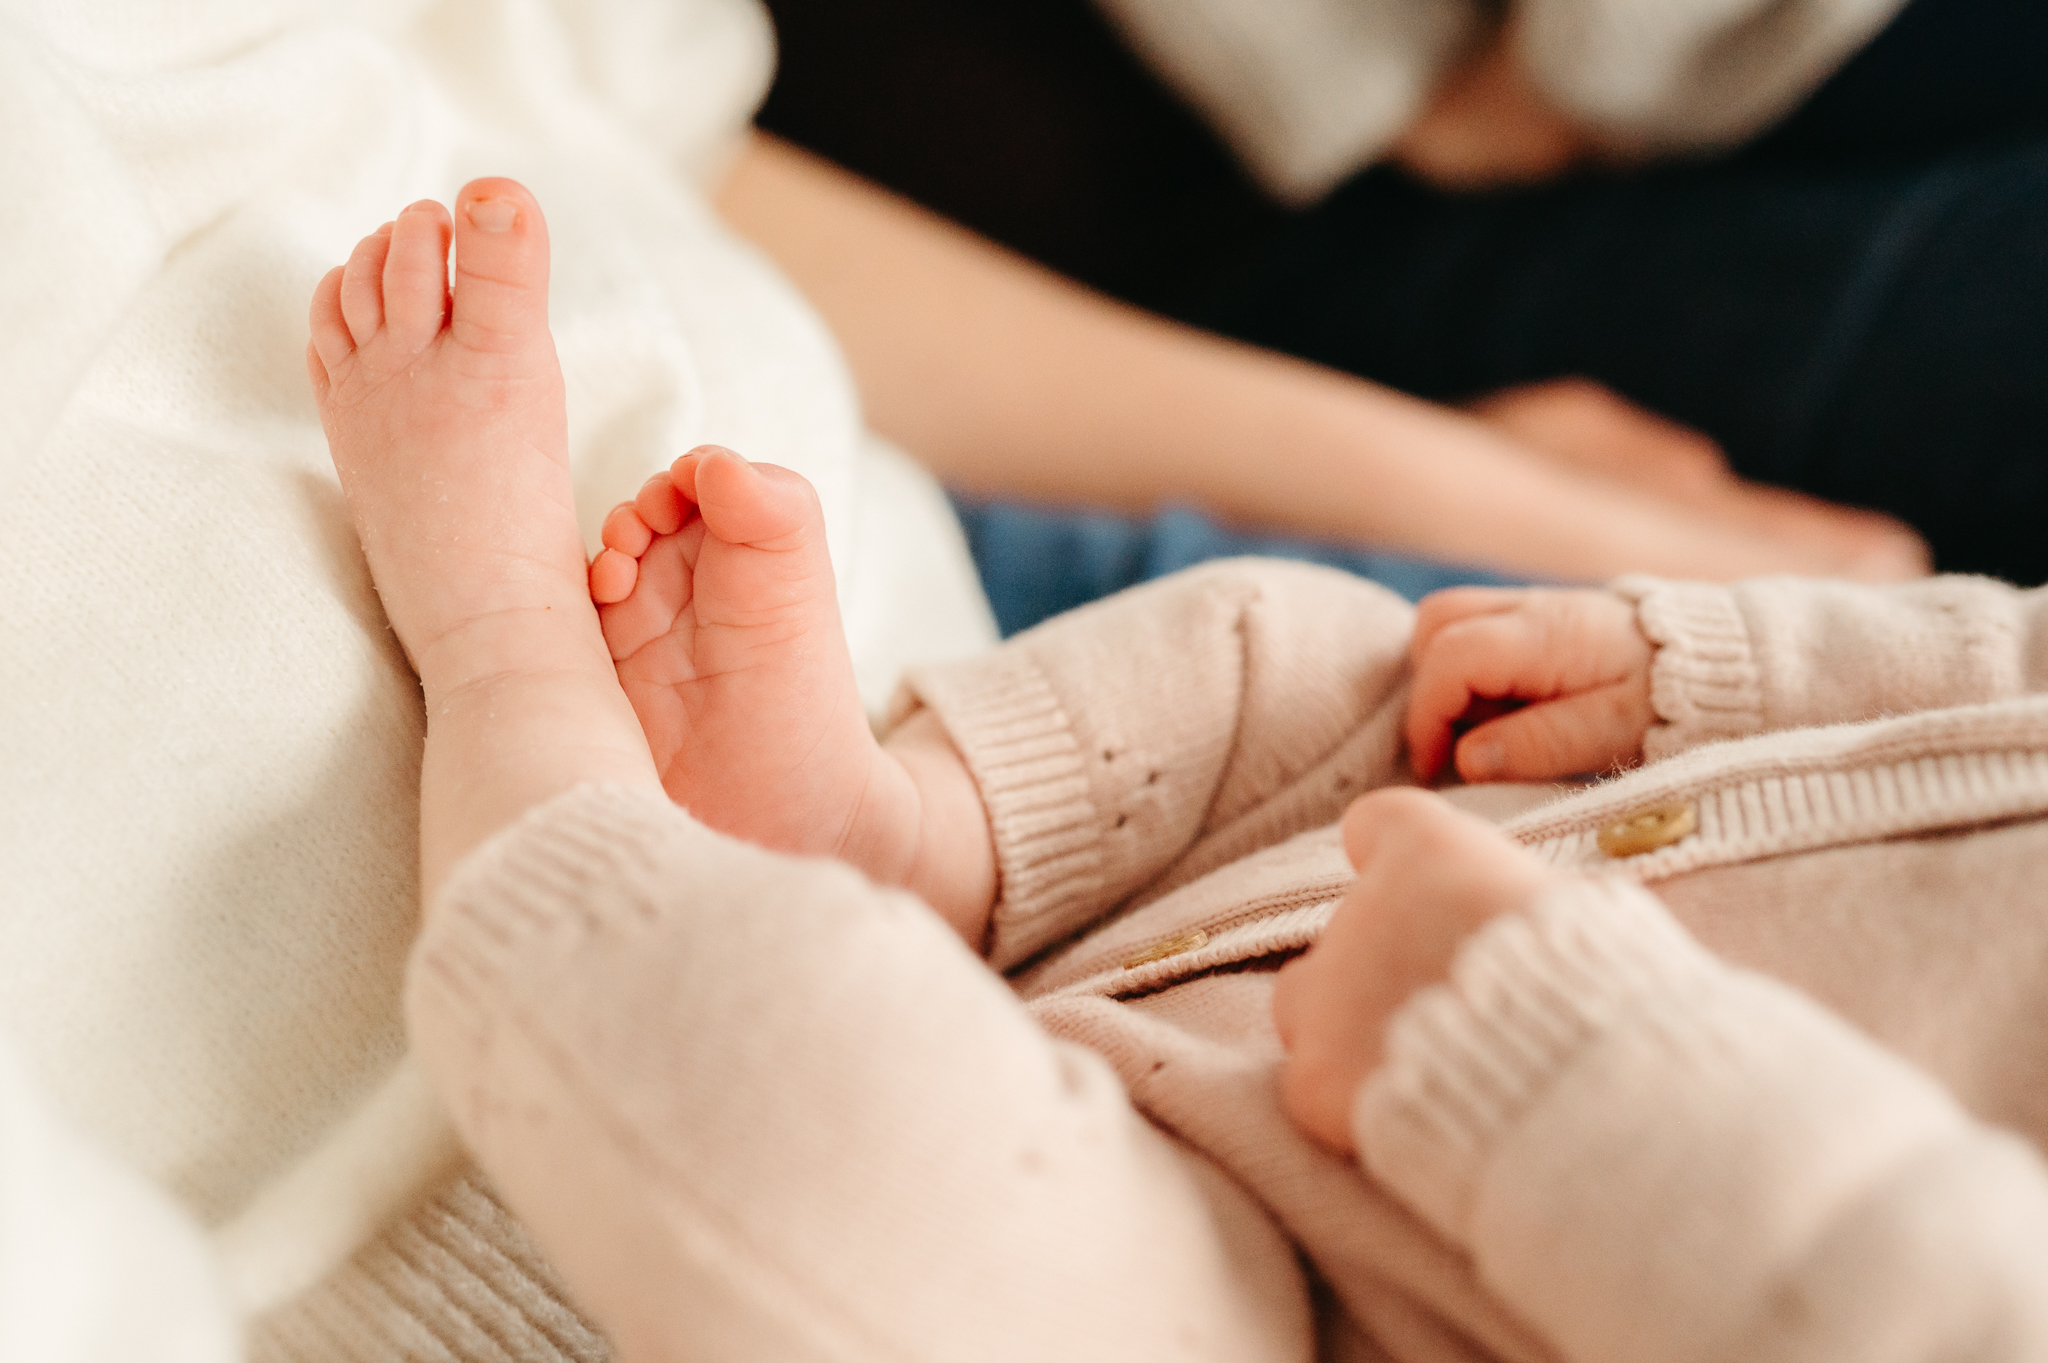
(1652, 1155)
(1006, 379)
(1783, 653)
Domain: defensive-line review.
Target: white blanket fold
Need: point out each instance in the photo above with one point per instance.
(210, 737)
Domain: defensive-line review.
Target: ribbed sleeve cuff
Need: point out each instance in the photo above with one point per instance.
(1018, 741)
(1704, 683)
(1527, 995)
(1640, 1147)
(588, 853)
(547, 861)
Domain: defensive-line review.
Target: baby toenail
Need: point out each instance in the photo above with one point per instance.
(492, 215)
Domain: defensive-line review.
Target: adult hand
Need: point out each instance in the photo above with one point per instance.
(1590, 429)
(1429, 875)
(1593, 429)
(1554, 683)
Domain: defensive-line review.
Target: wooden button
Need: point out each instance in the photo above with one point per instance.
(1646, 830)
(1172, 946)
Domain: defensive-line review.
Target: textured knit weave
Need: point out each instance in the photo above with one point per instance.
(457, 1281)
(1728, 1170)
(211, 738)
(1599, 1142)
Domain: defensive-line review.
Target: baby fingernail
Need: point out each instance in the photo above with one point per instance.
(492, 215)
(1481, 760)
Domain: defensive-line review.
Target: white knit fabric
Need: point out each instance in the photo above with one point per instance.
(95, 1264)
(1308, 91)
(210, 737)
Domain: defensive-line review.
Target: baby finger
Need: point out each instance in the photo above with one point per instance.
(1592, 731)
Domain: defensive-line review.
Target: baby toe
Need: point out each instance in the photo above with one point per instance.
(332, 340)
(362, 285)
(501, 267)
(758, 504)
(625, 531)
(660, 505)
(416, 275)
(612, 577)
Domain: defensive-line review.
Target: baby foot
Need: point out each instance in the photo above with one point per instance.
(716, 597)
(444, 413)
(717, 602)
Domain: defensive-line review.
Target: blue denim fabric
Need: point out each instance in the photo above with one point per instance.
(1037, 561)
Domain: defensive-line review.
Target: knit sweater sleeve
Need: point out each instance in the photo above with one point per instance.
(1305, 91)
(1142, 740)
(1679, 75)
(754, 1107)
(1786, 653)
(1652, 1155)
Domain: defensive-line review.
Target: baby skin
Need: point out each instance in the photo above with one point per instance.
(715, 666)
(702, 650)
(717, 601)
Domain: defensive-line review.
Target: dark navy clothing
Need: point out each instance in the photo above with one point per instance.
(1856, 305)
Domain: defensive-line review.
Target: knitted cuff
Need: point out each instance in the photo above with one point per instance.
(1017, 740)
(1528, 994)
(542, 872)
(1704, 683)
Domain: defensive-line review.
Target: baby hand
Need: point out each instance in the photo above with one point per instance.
(1429, 876)
(1569, 668)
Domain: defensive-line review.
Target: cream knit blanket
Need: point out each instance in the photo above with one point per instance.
(209, 737)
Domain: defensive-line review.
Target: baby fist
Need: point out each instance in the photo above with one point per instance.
(1559, 680)
(1429, 876)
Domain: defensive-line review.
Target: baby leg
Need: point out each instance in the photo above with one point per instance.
(444, 415)
(756, 1107)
